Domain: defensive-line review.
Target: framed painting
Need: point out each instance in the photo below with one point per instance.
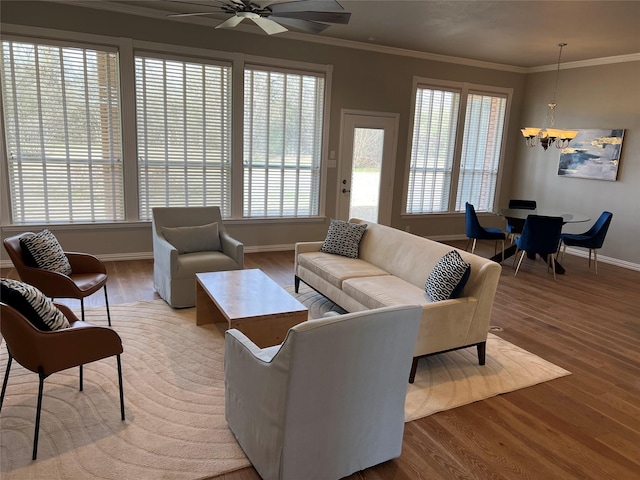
(594, 153)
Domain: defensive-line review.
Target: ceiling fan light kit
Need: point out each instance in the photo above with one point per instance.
(548, 136)
(272, 16)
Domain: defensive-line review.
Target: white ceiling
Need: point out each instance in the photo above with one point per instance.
(516, 33)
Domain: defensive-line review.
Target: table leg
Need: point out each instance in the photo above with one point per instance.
(206, 310)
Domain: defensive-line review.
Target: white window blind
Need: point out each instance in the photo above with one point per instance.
(283, 119)
(484, 123)
(62, 130)
(432, 150)
(184, 134)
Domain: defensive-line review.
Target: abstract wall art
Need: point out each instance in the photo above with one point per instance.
(594, 153)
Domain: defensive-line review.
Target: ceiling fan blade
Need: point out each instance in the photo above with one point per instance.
(193, 14)
(269, 26)
(306, 5)
(329, 17)
(230, 22)
(306, 25)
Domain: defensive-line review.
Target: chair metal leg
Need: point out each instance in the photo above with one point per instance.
(515, 256)
(553, 264)
(589, 258)
(6, 379)
(106, 301)
(38, 410)
(595, 259)
(82, 308)
(564, 249)
(473, 247)
(502, 250)
(120, 383)
(80, 377)
(518, 267)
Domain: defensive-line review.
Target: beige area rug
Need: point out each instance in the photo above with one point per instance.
(174, 399)
(174, 405)
(453, 379)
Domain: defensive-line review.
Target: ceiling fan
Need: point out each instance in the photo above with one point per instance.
(274, 16)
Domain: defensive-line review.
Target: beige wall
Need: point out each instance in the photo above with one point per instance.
(604, 96)
(362, 80)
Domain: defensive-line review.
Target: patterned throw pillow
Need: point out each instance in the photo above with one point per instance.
(343, 238)
(45, 250)
(448, 277)
(33, 304)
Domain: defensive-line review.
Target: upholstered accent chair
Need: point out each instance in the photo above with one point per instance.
(593, 239)
(186, 241)
(48, 352)
(329, 401)
(541, 235)
(475, 231)
(88, 274)
(515, 225)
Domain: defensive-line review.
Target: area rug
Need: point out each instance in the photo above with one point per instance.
(174, 402)
(453, 379)
(174, 399)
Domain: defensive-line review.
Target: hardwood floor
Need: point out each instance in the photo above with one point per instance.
(583, 426)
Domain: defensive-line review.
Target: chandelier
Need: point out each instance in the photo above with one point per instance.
(548, 135)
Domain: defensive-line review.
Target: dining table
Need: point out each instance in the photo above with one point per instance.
(522, 214)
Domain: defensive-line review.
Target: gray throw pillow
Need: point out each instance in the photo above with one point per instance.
(199, 238)
(448, 277)
(33, 304)
(343, 238)
(47, 253)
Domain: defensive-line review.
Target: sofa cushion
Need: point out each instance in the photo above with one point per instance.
(47, 253)
(343, 238)
(198, 238)
(448, 277)
(335, 268)
(376, 292)
(32, 304)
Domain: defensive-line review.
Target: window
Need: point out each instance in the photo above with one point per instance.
(184, 134)
(62, 131)
(283, 119)
(484, 122)
(432, 148)
(440, 170)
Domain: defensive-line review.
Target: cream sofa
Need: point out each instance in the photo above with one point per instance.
(391, 270)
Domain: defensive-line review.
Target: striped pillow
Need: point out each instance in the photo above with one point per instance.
(46, 252)
(33, 304)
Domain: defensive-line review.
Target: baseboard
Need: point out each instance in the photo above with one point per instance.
(119, 257)
(604, 259)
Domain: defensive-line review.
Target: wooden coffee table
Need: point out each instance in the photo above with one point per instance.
(249, 301)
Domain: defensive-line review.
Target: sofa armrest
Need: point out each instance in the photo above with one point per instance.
(305, 247)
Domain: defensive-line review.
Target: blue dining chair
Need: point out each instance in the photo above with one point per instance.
(475, 231)
(591, 239)
(515, 225)
(540, 235)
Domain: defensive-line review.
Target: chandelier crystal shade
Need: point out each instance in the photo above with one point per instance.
(548, 135)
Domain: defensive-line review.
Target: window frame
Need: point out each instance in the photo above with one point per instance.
(185, 60)
(464, 89)
(88, 44)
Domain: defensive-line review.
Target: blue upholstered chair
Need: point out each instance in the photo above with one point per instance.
(475, 231)
(591, 239)
(540, 235)
(515, 225)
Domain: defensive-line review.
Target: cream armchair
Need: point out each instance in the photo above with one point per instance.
(329, 401)
(186, 241)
